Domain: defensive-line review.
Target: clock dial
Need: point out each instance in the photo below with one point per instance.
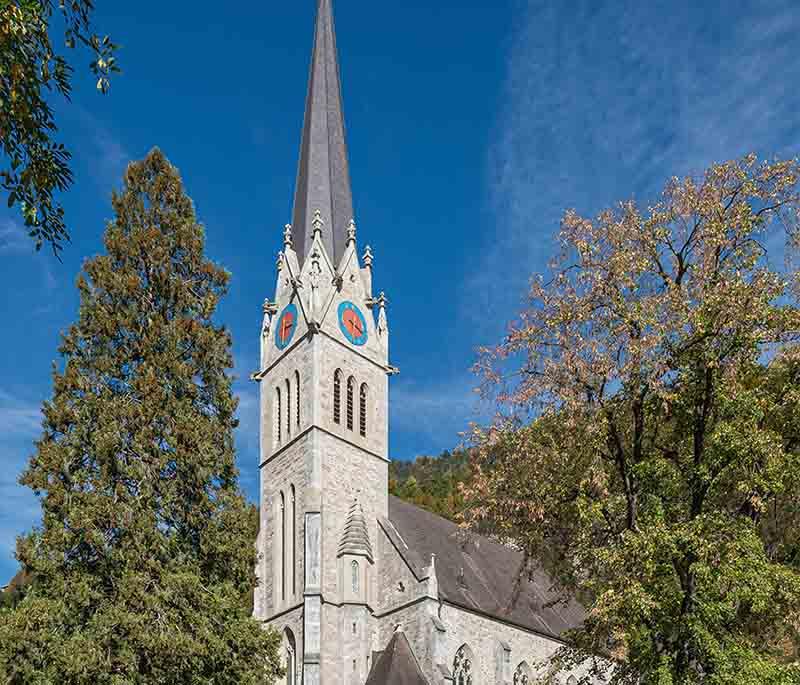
(352, 323)
(287, 325)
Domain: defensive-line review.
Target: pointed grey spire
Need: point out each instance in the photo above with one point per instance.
(323, 174)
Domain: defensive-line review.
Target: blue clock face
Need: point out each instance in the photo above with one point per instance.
(353, 323)
(287, 325)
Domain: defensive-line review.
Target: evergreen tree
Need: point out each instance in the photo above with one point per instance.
(144, 562)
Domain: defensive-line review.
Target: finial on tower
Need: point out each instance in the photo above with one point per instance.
(351, 233)
(269, 307)
(368, 257)
(280, 261)
(318, 223)
(383, 323)
(287, 236)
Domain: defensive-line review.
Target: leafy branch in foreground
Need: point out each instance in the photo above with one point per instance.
(31, 69)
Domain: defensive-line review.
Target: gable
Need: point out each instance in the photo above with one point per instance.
(397, 664)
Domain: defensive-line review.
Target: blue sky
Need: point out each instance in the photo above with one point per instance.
(472, 126)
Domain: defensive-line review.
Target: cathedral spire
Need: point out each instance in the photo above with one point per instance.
(323, 174)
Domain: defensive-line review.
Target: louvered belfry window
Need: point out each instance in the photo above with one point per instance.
(351, 391)
(277, 410)
(297, 395)
(362, 414)
(337, 397)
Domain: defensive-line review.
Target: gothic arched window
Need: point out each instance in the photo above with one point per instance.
(351, 391)
(294, 541)
(337, 396)
(522, 676)
(462, 666)
(297, 395)
(362, 416)
(356, 579)
(288, 409)
(291, 658)
(278, 425)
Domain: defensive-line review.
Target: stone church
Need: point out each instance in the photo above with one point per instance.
(364, 588)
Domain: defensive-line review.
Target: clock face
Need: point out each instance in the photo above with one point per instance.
(287, 325)
(353, 323)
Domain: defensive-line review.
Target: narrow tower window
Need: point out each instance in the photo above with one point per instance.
(355, 577)
(288, 409)
(283, 547)
(294, 543)
(337, 396)
(278, 425)
(297, 396)
(351, 390)
(362, 411)
(291, 658)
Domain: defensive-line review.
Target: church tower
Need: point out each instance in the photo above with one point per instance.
(323, 376)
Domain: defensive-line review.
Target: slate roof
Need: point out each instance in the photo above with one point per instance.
(323, 172)
(397, 664)
(476, 573)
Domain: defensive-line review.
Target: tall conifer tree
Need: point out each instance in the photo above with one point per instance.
(145, 556)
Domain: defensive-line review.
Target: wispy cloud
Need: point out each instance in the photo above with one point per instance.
(20, 423)
(13, 239)
(15, 243)
(606, 100)
(18, 418)
(104, 153)
(430, 418)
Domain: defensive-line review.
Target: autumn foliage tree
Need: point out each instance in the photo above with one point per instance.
(649, 450)
(143, 566)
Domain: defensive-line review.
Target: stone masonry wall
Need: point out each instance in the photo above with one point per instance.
(483, 636)
(288, 468)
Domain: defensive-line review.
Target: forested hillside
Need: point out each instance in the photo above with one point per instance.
(432, 482)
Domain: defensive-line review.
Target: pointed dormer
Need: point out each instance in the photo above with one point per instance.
(355, 539)
(323, 174)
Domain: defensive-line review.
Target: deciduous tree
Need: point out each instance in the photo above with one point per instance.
(32, 67)
(648, 452)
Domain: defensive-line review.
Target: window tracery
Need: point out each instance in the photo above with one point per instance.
(462, 667)
(522, 676)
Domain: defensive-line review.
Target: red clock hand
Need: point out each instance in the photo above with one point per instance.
(286, 328)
